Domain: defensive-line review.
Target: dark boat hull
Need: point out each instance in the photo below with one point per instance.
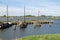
(4, 26)
(23, 25)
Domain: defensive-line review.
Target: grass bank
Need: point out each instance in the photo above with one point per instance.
(42, 37)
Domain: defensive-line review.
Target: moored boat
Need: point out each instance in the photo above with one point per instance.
(23, 24)
(7, 24)
(37, 23)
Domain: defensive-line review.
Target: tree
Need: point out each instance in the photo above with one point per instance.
(43, 16)
(4, 15)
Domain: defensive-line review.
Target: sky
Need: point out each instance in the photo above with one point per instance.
(16, 7)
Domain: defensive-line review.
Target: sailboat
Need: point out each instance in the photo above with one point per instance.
(37, 23)
(23, 24)
(6, 25)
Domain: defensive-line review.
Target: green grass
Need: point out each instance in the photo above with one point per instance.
(42, 37)
(35, 20)
(31, 21)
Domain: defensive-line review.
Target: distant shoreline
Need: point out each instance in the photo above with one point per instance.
(49, 17)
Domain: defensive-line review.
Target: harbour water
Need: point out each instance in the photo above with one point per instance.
(16, 32)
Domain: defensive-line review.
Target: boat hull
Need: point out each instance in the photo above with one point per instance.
(36, 24)
(4, 26)
(23, 25)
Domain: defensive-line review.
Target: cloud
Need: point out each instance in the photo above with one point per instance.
(46, 7)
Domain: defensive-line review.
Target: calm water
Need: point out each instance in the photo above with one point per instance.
(11, 34)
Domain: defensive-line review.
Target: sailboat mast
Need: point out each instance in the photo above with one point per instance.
(7, 13)
(24, 13)
(38, 15)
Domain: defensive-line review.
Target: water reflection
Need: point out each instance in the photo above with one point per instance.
(22, 29)
(37, 26)
(1, 30)
(50, 24)
(14, 27)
